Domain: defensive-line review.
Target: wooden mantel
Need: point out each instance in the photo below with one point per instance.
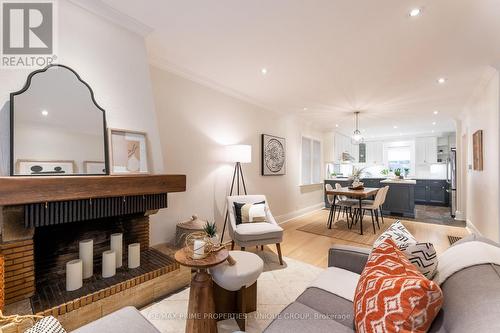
(27, 190)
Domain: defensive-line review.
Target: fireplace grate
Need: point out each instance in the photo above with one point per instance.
(52, 213)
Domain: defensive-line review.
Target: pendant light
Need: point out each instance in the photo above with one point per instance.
(357, 137)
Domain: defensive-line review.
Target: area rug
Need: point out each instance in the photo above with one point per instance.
(342, 232)
(277, 287)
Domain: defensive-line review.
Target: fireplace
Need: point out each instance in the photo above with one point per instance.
(40, 237)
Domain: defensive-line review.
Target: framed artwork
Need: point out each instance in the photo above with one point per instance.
(273, 155)
(477, 150)
(45, 168)
(94, 167)
(128, 152)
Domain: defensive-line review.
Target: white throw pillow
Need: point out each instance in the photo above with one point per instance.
(398, 234)
(422, 255)
(47, 325)
(253, 213)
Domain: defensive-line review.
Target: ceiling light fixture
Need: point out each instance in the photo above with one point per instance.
(394, 127)
(441, 80)
(336, 125)
(305, 109)
(436, 112)
(415, 12)
(433, 123)
(357, 137)
(45, 113)
(263, 71)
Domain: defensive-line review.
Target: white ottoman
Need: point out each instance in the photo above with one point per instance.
(235, 287)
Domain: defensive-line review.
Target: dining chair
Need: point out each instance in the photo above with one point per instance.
(373, 207)
(385, 190)
(342, 202)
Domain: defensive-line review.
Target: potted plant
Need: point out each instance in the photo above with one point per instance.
(397, 173)
(407, 172)
(211, 230)
(385, 172)
(356, 174)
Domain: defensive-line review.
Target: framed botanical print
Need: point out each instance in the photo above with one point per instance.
(128, 152)
(273, 155)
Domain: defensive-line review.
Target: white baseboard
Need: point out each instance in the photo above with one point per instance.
(298, 213)
(472, 228)
(459, 216)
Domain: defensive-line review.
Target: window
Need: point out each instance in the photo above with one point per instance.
(311, 161)
(399, 157)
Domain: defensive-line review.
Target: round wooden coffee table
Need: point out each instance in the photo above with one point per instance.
(201, 308)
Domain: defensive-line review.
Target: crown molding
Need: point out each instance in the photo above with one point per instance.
(113, 15)
(162, 63)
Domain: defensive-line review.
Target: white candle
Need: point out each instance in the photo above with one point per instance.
(116, 245)
(86, 248)
(134, 255)
(199, 249)
(108, 264)
(74, 275)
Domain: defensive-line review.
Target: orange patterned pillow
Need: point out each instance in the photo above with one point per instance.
(393, 296)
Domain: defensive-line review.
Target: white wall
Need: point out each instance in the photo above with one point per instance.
(480, 189)
(195, 123)
(112, 61)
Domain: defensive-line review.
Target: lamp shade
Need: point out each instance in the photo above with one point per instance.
(239, 153)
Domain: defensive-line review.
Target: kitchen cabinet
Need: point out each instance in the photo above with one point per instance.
(431, 192)
(400, 200)
(343, 144)
(426, 150)
(374, 153)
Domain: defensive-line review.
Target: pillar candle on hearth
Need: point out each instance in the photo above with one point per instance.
(74, 275)
(134, 255)
(108, 263)
(86, 248)
(117, 245)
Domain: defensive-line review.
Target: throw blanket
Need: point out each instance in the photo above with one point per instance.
(465, 255)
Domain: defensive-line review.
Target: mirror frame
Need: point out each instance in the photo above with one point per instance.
(24, 89)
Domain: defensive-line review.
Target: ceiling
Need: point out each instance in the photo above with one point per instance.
(328, 58)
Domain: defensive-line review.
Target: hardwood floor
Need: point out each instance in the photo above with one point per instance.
(313, 249)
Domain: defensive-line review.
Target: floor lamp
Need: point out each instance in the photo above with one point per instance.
(237, 154)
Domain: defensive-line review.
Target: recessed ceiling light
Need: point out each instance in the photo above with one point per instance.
(263, 71)
(432, 131)
(436, 112)
(433, 123)
(336, 125)
(441, 80)
(305, 109)
(45, 113)
(415, 12)
(394, 127)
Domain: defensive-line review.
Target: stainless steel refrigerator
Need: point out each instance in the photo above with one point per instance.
(452, 180)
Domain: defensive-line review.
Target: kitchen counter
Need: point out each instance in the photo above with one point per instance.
(399, 181)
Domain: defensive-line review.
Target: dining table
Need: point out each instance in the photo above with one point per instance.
(359, 194)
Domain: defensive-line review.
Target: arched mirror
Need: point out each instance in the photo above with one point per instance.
(57, 128)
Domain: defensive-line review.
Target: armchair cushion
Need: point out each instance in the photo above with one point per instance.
(250, 212)
(258, 230)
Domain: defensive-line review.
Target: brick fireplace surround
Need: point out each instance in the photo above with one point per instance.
(42, 220)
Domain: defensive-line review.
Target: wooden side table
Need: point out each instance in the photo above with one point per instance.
(201, 308)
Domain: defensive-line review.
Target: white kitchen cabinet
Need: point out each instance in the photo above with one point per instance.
(426, 150)
(374, 152)
(343, 144)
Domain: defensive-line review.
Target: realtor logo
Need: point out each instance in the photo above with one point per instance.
(27, 34)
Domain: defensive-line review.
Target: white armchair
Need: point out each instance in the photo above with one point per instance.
(255, 233)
